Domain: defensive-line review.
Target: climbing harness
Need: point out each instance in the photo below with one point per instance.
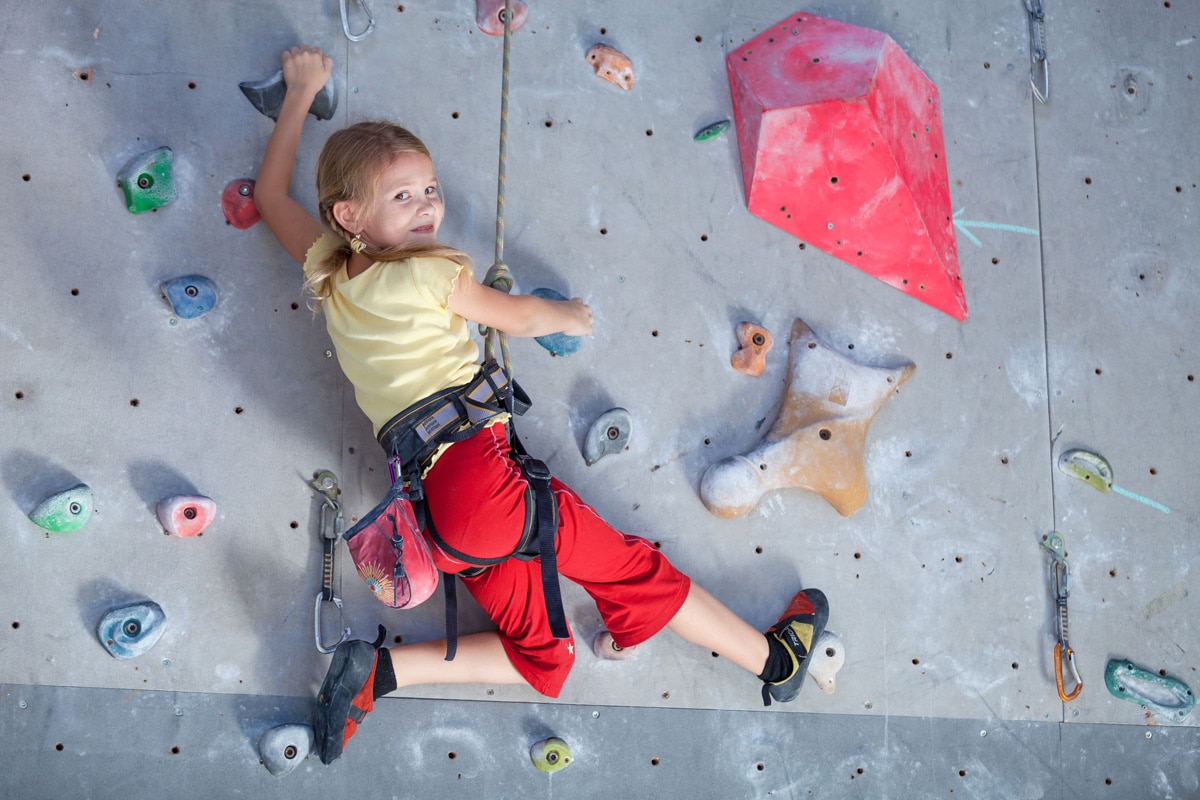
(498, 276)
(413, 436)
(1039, 67)
(357, 37)
(1060, 587)
(332, 523)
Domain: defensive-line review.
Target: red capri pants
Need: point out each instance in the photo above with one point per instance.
(476, 495)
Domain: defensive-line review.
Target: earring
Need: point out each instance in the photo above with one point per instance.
(357, 245)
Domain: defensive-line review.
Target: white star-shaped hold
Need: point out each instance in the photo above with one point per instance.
(818, 440)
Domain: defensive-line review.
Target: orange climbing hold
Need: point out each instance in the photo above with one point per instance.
(186, 515)
(753, 343)
(612, 65)
(840, 136)
(489, 16)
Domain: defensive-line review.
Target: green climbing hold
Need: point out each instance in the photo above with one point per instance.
(147, 181)
(1167, 697)
(65, 512)
(711, 131)
(551, 755)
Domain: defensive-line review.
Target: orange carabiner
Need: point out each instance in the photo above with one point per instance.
(1058, 673)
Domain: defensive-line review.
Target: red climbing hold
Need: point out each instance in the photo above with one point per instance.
(489, 16)
(237, 201)
(186, 515)
(840, 136)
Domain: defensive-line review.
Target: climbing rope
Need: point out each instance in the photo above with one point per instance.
(498, 276)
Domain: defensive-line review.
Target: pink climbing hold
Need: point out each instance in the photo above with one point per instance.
(237, 201)
(840, 136)
(753, 343)
(612, 65)
(186, 515)
(489, 16)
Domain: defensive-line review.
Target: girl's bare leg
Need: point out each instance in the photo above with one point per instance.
(480, 659)
(706, 621)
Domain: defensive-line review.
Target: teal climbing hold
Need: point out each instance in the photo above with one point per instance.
(1168, 697)
(131, 630)
(65, 512)
(191, 296)
(558, 344)
(147, 180)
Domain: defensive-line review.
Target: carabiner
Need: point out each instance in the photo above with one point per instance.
(1058, 672)
(321, 648)
(357, 37)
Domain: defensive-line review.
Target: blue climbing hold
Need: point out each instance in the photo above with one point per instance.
(129, 631)
(559, 344)
(191, 296)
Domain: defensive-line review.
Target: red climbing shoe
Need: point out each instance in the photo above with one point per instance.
(346, 696)
(801, 624)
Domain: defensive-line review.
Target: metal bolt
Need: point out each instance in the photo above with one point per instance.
(329, 354)
(595, 714)
(244, 190)
(179, 712)
(166, 662)
(23, 704)
(1149, 735)
(983, 733)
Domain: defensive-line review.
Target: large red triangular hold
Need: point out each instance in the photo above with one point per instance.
(840, 135)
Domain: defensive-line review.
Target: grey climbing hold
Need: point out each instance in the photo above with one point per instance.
(608, 434)
(65, 512)
(267, 96)
(131, 630)
(283, 747)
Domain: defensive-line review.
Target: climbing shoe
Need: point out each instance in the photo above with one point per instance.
(346, 696)
(801, 624)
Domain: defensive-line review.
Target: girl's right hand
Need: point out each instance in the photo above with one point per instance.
(306, 69)
(581, 316)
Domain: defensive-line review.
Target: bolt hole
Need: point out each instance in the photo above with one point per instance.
(830, 652)
(995, 260)
(1088, 181)
(60, 747)
(1108, 781)
(812, 345)
(397, 639)
(704, 237)
(452, 755)
(649, 132)
(825, 434)
(238, 410)
(654, 333)
(654, 761)
(135, 402)
(453, 115)
(191, 84)
(758, 339)
(916, 661)
(293, 525)
(19, 395)
(1004, 460)
(962, 773)
(1015, 665)
(604, 231)
(758, 550)
(833, 180)
(612, 433)
(1099, 371)
(290, 752)
(760, 766)
(175, 750)
(763, 467)
(958, 559)
(26, 177)
(987, 65)
(908, 453)
(1153, 471)
(549, 123)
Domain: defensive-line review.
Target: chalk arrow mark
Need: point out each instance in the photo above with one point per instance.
(964, 226)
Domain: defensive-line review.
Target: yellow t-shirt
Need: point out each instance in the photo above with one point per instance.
(395, 336)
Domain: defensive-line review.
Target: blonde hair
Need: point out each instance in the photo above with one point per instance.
(348, 169)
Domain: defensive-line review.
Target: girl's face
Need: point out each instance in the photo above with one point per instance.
(408, 206)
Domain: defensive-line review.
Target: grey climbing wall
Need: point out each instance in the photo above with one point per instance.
(1080, 336)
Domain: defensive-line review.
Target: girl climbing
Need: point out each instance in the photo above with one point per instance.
(396, 304)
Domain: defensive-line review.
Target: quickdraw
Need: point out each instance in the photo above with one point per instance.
(332, 525)
(1060, 587)
(1037, 51)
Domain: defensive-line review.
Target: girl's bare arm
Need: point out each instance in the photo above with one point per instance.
(518, 314)
(305, 71)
